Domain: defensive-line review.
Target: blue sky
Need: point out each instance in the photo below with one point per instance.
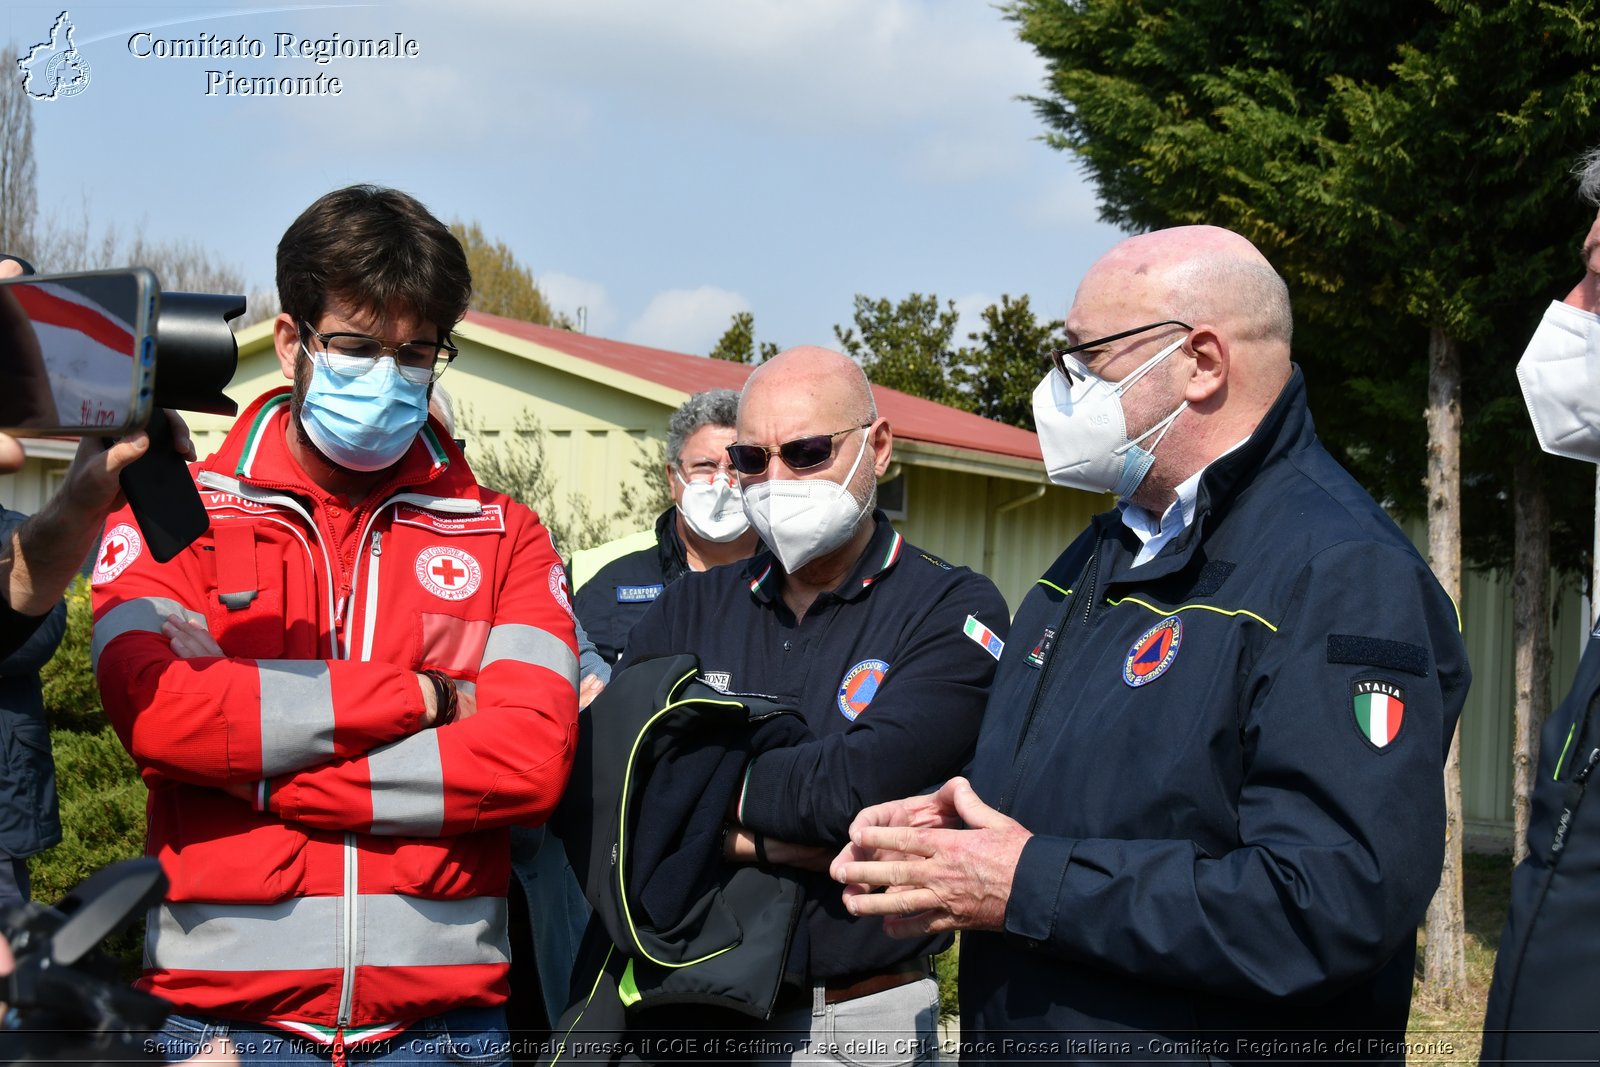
(661, 163)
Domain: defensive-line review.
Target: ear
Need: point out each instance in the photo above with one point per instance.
(286, 341)
(881, 441)
(1208, 373)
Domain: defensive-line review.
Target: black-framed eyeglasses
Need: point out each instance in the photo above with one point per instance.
(353, 354)
(1070, 372)
(800, 454)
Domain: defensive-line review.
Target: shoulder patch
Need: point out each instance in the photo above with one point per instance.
(118, 549)
(986, 638)
(937, 562)
(1379, 708)
(859, 685)
(1152, 655)
(1377, 652)
(558, 588)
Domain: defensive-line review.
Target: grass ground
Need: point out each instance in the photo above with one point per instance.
(1440, 1034)
(1487, 890)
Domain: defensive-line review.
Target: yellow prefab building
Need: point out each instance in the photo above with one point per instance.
(962, 487)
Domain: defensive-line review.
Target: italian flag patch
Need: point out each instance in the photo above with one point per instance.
(1380, 708)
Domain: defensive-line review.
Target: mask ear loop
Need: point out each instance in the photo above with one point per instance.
(1163, 426)
(1144, 368)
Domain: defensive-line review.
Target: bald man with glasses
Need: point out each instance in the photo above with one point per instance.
(886, 651)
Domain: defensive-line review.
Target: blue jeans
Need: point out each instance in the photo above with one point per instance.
(473, 1037)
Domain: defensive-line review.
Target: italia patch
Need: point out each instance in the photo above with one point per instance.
(558, 588)
(1153, 653)
(448, 573)
(1380, 710)
(638, 594)
(121, 546)
(984, 636)
(859, 685)
(1042, 649)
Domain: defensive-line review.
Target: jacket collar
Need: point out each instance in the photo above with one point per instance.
(670, 552)
(1285, 428)
(882, 553)
(256, 452)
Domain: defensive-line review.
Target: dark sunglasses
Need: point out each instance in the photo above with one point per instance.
(1070, 373)
(797, 455)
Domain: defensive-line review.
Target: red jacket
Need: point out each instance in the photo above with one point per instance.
(366, 886)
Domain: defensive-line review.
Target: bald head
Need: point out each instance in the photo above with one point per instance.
(813, 381)
(1201, 274)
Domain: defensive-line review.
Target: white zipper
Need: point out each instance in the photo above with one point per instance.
(342, 650)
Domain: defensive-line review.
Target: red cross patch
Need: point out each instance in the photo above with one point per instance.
(448, 573)
(121, 546)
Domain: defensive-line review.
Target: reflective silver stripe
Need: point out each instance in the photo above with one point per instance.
(529, 644)
(308, 934)
(146, 614)
(408, 786)
(296, 714)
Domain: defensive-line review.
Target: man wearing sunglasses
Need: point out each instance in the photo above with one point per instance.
(344, 693)
(1206, 811)
(887, 653)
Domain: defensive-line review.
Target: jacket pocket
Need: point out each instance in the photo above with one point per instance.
(448, 868)
(214, 847)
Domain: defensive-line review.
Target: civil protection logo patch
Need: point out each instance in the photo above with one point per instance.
(1153, 653)
(1380, 708)
(859, 686)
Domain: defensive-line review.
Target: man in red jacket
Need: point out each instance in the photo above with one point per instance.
(344, 693)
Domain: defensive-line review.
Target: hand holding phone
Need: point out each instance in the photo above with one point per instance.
(77, 352)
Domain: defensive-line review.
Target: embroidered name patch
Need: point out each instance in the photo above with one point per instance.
(1380, 709)
(491, 519)
(859, 685)
(121, 546)
(1042, 649)
(448, 573)
(1153, 653)
(638, 594)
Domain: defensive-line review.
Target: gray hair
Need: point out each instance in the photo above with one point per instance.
(714, 407)
(1587, 171)
(1255, 290)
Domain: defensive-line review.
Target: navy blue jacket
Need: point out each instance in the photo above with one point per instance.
(886, 678)
(1234, 845)
(1542, 1002)
(616, 598)
(29, 819)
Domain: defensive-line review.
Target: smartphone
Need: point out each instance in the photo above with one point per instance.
(78, 352)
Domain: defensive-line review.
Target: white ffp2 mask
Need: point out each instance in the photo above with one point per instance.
(1560, 378)
(1083, 431)
(802, 519)
(714, 510)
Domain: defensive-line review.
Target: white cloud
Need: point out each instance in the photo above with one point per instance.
(971, 308)
(942, 74)
(567, 294)
(687, 320)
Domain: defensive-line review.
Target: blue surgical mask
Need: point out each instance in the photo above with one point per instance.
(366, 422)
